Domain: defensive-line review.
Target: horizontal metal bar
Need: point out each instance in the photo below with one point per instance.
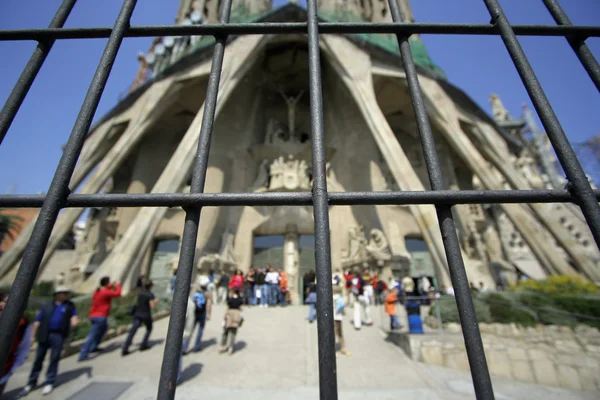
(297, 198)
(299, 27)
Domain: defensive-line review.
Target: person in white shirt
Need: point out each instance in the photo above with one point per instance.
(272, 280)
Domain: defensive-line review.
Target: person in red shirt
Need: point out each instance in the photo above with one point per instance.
(237, 281)
(98, 315)
(19, 348)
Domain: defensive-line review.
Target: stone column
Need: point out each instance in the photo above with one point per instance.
(291, 256)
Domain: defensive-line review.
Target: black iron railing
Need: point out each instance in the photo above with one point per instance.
(59, 196)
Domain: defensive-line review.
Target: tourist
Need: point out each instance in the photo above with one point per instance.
(236, 281)
(98, 315)
(142, 315)
(173, 280)
(272, 280)
(211, 285)
(338, 318)
(348, 276)
(368, 288)
(249, 293)
(222, 287)
(52, 325)
(231, 322)
(202, 300)
(474, 290)
(379, 288)
(309, 277)
(19, 348)
(283, 288)
(408, 284)
(390, 308)
(361, 307)
(262, 290)
(311, 300)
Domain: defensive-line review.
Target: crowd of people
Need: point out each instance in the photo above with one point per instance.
(262, 287)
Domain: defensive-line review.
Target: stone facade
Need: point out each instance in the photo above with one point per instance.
(549, 355)
(261, 142)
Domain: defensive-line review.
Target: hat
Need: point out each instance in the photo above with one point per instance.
(62, 289)
(203, 280)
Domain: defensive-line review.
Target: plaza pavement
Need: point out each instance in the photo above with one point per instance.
(275, 358)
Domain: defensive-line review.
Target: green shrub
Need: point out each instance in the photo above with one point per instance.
(586, 305)
(448, 310)
(43, 289)
(559, 285)
(505, 310)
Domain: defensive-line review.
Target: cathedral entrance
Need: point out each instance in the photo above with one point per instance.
(268, 249)
(165, 251)
(422, 263)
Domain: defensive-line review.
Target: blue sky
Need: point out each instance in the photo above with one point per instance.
(479, 65)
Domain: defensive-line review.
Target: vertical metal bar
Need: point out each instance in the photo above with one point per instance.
(16, 97)
(170, 364)
(59, 188)
(578, 182)
(466, 310)
(578, 44)
(326, 337)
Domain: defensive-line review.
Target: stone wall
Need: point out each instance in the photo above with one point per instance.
(548, 355)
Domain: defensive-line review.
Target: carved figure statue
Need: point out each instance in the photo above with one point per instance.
(261, 183)
(378, 246)
(288, 174)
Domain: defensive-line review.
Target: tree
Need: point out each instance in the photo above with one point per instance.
(9, 226)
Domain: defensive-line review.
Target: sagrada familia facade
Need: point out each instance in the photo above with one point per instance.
(262, 143)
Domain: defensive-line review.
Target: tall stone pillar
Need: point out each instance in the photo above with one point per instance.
(291, 257)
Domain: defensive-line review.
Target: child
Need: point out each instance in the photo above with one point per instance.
(390, 308)
(338, 317)
(232, 321)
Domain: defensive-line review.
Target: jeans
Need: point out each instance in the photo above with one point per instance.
(137, 322)
(199, 320)
(312, 312)
(55, 345)
(273, 294)
(99, 327)
(394, 323)
(250, 293)
(282, 300)
(264, 294)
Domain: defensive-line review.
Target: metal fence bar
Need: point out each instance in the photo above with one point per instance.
(59, 188)
(578, 181)
(173, 346)
(16, 97)
(466, 310)
(326, 337)
(578, 44)
(438, 197)
(257, 28)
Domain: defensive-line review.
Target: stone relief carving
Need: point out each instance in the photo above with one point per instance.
(362, 251)
(224, 259)
(289, 174)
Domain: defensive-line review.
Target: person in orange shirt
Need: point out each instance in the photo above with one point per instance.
(390, 308)
(283, 287)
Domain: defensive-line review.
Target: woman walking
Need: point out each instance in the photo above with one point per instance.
(232, 321)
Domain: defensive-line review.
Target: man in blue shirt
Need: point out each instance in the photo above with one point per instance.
(52, 326)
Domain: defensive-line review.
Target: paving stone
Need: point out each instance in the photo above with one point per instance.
(568, 377)
(545, 373)
(522, 371)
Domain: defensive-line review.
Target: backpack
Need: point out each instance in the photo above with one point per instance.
(200, 302)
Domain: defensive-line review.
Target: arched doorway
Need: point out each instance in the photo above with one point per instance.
(160, 271)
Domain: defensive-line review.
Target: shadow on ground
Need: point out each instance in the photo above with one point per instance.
(190, 372)
(61, 379)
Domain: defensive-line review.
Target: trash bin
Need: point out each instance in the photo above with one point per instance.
(415, 324)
